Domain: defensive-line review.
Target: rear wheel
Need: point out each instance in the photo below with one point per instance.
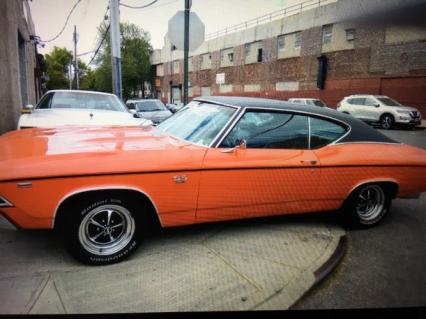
(367, 205)
(386, 121)
(103, 229)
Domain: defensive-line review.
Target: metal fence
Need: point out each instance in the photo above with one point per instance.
(294, 9)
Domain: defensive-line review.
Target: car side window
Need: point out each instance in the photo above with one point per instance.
(370, 102)
(324, 132)
(45, 102)
(270, 130)
(356, 101)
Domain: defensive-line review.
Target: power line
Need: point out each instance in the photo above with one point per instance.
(100, 45)
(66, 22)
(138, 7)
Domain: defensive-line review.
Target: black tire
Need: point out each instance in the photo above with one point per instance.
(386, 121)
(102, 229)
(357, 212)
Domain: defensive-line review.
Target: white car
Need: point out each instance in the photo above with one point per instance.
(79, 108)
(308, 101)
(379, 109)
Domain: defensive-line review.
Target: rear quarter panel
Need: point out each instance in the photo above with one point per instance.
(346, 166)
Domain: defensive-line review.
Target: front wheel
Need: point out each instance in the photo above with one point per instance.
(386, 121)
(367, 206)
(103, 230)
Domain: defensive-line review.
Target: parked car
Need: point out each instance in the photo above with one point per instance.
(308, 101)
(174, 107)
(219, 158)
(380, 109)
(150, 109)
(73, 107)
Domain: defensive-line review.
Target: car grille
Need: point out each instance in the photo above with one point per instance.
(414, 114)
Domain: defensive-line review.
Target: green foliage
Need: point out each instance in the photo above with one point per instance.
(57, 68)
(135, 64)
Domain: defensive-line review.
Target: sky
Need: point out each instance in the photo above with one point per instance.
(49, 17)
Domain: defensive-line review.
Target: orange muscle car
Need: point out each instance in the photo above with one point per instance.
(219, 158)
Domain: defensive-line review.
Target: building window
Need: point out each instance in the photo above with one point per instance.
(259, 55)
(297, 39)
(231, 57)
(327, 33)
(175, 67)
(281, 43)
(350, 34)
(247, 49)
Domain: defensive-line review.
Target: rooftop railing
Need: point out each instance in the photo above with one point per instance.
(285, 12)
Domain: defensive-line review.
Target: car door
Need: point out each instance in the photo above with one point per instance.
(371, 109)
(275, 174)
(355, 107)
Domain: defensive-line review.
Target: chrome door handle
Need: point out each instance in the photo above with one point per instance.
(312, 162)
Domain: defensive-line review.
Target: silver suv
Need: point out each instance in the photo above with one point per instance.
(379, 109)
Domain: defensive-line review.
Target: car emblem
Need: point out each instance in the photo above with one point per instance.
(179, 179)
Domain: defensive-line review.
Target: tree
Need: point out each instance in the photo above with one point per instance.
(57, 63)
(57, 68)
(135, 63)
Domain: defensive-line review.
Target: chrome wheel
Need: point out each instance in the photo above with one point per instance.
(387, 122)
(370, 202)
(106, 229)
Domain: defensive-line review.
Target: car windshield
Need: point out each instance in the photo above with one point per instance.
(78, 100)
(199, 123)
(388, 101)
(150, 106)
(318, 103)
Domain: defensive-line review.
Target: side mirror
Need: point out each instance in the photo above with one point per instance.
(27, 109)
(241, 145)
(376, 105)
(146, 125)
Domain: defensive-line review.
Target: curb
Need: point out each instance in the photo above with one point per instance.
(331, 263)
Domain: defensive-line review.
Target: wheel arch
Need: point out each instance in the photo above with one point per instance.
(392, 186)
(138, 194)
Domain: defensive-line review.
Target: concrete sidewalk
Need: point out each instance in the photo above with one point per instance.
(247, 265)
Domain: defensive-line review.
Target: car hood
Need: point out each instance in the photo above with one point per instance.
(78, 117)
(156, 116)
(407, 108)
(77, 151)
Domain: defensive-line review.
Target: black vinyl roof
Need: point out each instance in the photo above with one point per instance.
(359, 131)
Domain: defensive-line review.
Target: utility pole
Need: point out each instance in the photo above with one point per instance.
(115, 47)
(76, 75)
(70, 77)
(188, 4)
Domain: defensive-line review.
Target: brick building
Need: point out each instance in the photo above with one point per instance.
(365, 46)
(20, 64)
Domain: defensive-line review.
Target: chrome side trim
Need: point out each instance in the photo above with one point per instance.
(239, 115)
(4, 202)
(105, 188)
(309, 132)
(295, 112)
(230, 123)
(367, 142)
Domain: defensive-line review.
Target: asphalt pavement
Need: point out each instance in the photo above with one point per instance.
(383, 266)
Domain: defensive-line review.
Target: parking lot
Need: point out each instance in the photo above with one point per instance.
(268, 263)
